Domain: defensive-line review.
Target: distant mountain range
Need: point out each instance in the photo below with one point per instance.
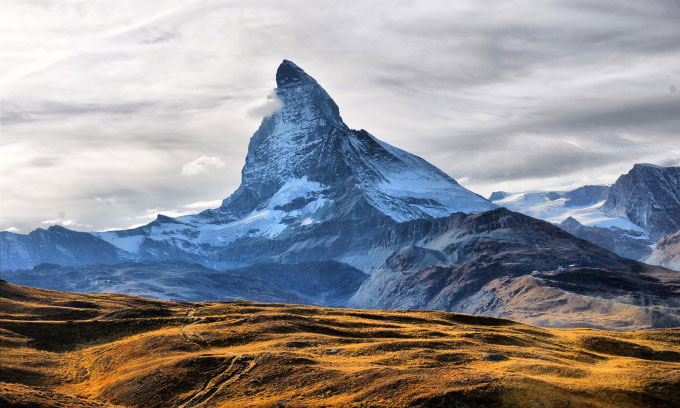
(313, 283)
(627, 218)
(330, 215)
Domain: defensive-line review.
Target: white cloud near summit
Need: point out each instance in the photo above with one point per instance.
(266, 109)
(113, 99)
(202, 165)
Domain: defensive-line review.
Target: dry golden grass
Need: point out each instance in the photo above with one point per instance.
(70, 350)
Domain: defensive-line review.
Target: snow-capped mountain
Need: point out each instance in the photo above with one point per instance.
(580, 212)
(312, 188)
(584, 204)
(626, 218)
(321, 206)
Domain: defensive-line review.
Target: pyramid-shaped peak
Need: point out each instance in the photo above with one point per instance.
(290, 74)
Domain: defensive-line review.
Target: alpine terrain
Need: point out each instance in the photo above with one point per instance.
(627, 218)
(312, 188)
(328, 215)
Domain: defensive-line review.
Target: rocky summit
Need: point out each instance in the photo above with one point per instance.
(649, 196)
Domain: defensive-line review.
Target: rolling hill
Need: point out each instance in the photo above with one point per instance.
(107, 350)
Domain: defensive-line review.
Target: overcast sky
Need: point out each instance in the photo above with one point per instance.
(113, 111)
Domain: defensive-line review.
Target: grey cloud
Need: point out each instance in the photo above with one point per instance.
(43, 162)
(538, 164)
(51, 109)
(661, 114)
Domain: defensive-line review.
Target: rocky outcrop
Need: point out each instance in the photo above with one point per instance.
(667, 252)
(649, 196)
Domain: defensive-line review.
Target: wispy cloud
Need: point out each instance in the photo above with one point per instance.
(89, 44)
(203, 205)
(66, 223)
(202, 165)
(266, 109)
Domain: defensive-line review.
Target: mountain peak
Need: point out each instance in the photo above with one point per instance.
(289, 74)
(306, 141)
(646, 165)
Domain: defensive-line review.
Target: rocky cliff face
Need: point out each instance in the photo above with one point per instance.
(667, 252)
(649, 196)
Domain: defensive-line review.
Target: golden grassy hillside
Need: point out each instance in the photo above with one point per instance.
(71, 350)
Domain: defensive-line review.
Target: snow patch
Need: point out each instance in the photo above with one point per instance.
(537, 205)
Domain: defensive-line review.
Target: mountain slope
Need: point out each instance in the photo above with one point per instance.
(173, 280)
(649, 196)
(327, 283)
(626, 243)
(63, 349)
(667, 252)
(505, 264)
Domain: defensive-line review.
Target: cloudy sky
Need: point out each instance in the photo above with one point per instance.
(113, 111)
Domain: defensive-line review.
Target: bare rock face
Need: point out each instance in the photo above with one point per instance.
(667, 252)
(649, 196)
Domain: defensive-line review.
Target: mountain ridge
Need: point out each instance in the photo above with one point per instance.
(628, 217)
